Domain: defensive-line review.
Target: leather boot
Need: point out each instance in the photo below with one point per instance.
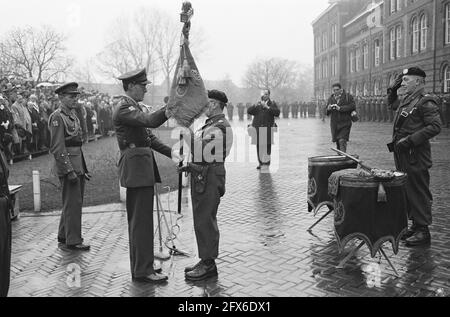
(421, 237)
(203, 271)
(409, 233)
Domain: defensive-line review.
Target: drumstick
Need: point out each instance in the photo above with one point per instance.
(369, 169)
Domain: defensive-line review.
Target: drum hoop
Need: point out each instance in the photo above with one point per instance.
(331, 163)
(398, 182)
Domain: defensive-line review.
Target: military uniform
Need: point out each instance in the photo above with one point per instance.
(5, 228)
(416, 121)
(209, 187)
(417, 118)
(210, 147)
(66, 139)
(138, 173)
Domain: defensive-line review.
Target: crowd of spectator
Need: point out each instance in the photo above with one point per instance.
(25, 108)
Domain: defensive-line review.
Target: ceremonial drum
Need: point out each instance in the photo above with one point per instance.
(369, 208)
(319, 170)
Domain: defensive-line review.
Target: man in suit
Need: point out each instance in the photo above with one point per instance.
(70, 166)
(417, 120)
(264, 113)
(138, 172)
(340, 107)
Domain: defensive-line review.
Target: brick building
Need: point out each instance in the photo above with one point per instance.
(364, 44)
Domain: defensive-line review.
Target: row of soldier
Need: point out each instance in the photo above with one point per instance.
(293, 110)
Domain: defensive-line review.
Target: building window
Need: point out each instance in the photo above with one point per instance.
(365, 90)
(415, 35)
(447, 79)
(377, 88)
(333, 66)
(393, 6)
(324, 41)
(320, 70)
(317, 45)
(423, 32)
(392, 41)
(358, 59)
(398, 30)
(399, 5)
(325, 68)
(333, 34)
(447, 23)
(377, 53)
(366, 56)
(352, 61)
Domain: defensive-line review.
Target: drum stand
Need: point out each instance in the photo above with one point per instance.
(161, 216)
(316, 210)
(353, 252)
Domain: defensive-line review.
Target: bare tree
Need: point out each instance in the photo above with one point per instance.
(270, 74)
(168, 45)
(84, 73)
(38, 53)
(148, 38)
(132, 44)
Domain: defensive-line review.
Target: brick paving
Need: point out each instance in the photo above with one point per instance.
(265, 250)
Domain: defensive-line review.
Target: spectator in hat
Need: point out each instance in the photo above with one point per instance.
(417, 120)
(22, 123)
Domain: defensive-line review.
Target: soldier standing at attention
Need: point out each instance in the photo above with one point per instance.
(417, 120)
(138, 171)
(66, 139)
(214, 144)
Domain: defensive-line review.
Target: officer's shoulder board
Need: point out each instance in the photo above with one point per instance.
(55, 118)
(429, 98)
(126, 102)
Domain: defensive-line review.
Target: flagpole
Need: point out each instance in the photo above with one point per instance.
(185, 18)
(180, 175)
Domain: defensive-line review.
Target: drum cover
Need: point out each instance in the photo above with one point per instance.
(359, 215)
(319, 170)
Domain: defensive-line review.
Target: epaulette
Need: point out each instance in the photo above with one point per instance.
(427, 98)
(124, 100)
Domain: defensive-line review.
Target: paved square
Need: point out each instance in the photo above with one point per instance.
(265, 249)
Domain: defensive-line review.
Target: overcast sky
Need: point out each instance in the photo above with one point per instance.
(236, 31)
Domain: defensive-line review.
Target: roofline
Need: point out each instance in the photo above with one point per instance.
(323, 13)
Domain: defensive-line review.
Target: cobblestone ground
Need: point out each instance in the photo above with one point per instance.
(265, 249)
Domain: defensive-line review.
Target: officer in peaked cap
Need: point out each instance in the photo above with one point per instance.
(137, 76)
(68, 89)
(417, 120)
(207, 170)
(70, 166)
(138, 171)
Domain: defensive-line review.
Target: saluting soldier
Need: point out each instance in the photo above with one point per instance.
(66, 139)
(417, 120)
(209, 151)
(138, 171)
